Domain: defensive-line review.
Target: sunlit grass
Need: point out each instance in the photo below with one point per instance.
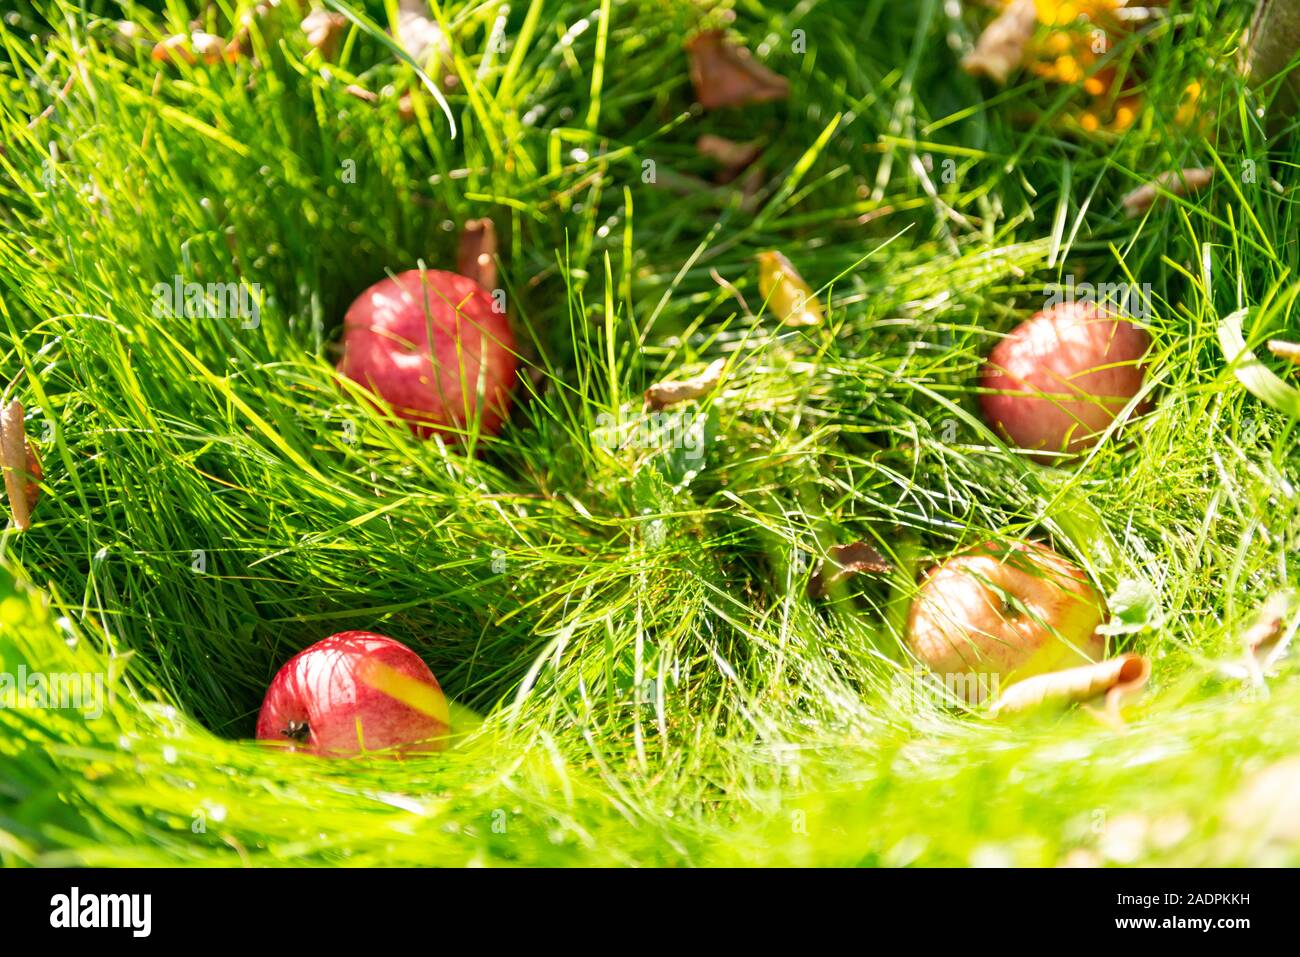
(639, 674)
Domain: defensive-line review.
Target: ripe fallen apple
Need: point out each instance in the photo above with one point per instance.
(1062, 376)
(441, 359)
(1005, 612)
(352, 692)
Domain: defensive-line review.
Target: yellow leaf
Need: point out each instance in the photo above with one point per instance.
(785, 291)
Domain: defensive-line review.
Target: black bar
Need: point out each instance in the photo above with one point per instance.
(385, 908)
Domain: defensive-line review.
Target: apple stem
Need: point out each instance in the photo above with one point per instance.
(297, 731)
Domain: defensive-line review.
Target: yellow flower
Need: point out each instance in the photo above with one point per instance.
(1067, 69)
(1059, 13)
(1187, 108)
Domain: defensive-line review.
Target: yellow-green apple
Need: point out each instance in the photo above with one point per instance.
(1062, 376)
(352, 692)
(438, 351)
(1005, 612)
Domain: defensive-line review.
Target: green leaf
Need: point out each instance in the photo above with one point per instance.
(1258, 379)
(1134, 607)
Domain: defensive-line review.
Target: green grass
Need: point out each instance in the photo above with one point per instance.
(638, 673)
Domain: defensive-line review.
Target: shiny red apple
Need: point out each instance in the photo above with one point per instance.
(352, 692)
(437, 351)
(1004, 612)
(1062, 376)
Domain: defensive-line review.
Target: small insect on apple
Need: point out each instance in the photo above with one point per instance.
(355, 692)
(444, 359)
(1005, 612)
(1062, 376)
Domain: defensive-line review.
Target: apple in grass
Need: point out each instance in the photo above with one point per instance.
(1062, 376)
(1003, 612)
(433, 346)
(352, 692)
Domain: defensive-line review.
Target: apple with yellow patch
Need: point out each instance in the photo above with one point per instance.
(354, 692)
(1006, 611)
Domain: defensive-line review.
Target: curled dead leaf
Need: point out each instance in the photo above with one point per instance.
(1115, 680)
(725, 74)
(477, 254)
(844, 561)
(22, 469)
(732, 157)
(324, 30)
(672, 391)
(785, 291)
(1285, 350)
(1000, 49)
(1176, 182)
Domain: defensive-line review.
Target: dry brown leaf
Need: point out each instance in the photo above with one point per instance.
(22, 469)
(785, 291)
(1177, 182)
(1114, 679)
(733, 157)
(324, 30)
(361, 93)
(1285, 350)
(1001, 47)
(724, 74)
(671, 391)
(845, 561)
(477, 255)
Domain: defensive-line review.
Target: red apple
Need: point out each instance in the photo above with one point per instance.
(354, 692)
(1005, 612)
(1062, 376)
(441, 359)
